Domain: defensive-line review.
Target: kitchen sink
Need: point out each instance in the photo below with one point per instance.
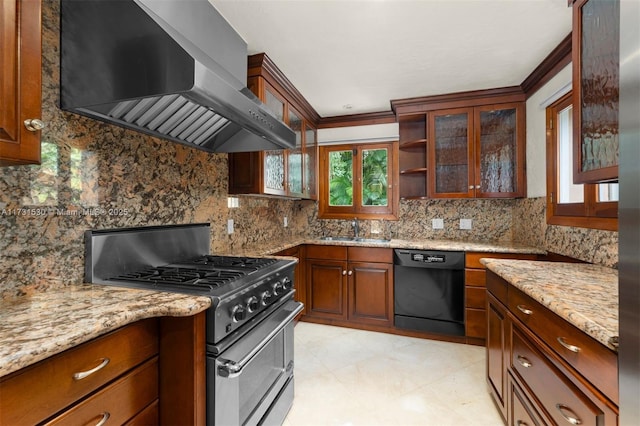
(356, 239)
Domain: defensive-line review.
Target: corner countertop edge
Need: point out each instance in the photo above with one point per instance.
(38, 326)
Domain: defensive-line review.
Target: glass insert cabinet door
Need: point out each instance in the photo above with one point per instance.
(477, 152)
(274, 172)
(294, 156)
(450, 153)
(310, 159)
(596, 39)
(497, 150)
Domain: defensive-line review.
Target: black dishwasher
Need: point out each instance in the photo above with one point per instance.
(429, 291)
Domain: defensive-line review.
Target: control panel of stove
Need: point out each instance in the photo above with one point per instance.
(231, 313)
(275, 289)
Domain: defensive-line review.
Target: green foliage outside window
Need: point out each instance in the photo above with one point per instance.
(341, 178)
(374, 178)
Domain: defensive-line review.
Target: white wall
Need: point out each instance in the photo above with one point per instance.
(355, 134)
(537, 133)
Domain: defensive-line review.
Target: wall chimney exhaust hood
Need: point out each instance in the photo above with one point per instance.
(174, 69)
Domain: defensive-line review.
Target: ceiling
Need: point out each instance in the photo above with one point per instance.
(352, 57)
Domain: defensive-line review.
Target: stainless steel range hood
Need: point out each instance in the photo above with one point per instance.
(174, 69)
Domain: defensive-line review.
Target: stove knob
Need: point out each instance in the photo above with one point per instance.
(287, 284)
(252, 304)
(278, 288)
(266, 298)
(238, 313)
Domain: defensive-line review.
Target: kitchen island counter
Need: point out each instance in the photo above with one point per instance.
(38, 326)
(583, 294)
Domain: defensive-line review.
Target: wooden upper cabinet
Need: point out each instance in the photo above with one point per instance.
(477, 152)
(20, 82)
(462, 145)
(289, 172)
(595, 57)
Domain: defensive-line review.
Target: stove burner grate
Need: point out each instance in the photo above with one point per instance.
(244, 263)
(184, 277)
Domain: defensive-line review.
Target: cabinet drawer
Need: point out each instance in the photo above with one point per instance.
(521, 413)
(119, 401)
(34, 393)
(327, 252)
(562, 400)
(472, 260)
(476, 323)
(593, 360)
(370, 254)
(148, 416)
(475, 277)
(475, 297)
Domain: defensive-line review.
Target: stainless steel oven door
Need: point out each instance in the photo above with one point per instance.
(251, 382)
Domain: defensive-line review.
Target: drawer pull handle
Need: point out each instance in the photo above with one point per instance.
(525, 310)
(103, 420)
(572, 348)
(568, 414)
(83, 374)
(524, 361)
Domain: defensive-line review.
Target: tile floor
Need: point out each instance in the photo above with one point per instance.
(353, 377)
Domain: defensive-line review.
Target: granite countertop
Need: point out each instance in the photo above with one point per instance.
(450, 245)
(585, 295)
(36, 327)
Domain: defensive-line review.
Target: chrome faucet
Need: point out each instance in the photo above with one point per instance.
(356, 228)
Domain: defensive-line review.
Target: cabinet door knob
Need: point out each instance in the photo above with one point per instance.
(350, 272)
(344, 272)
(33, 124)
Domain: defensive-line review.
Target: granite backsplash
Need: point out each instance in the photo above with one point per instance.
(99, 176)
(590, 245)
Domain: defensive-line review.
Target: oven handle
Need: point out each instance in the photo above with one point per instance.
(231, 369)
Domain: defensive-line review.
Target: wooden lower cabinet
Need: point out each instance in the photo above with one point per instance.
(327, 288)
(532, 383)
(497, 344)
(350, 285)
(123, 376)
(475, 291)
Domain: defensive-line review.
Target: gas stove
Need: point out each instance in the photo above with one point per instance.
(176, 259)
